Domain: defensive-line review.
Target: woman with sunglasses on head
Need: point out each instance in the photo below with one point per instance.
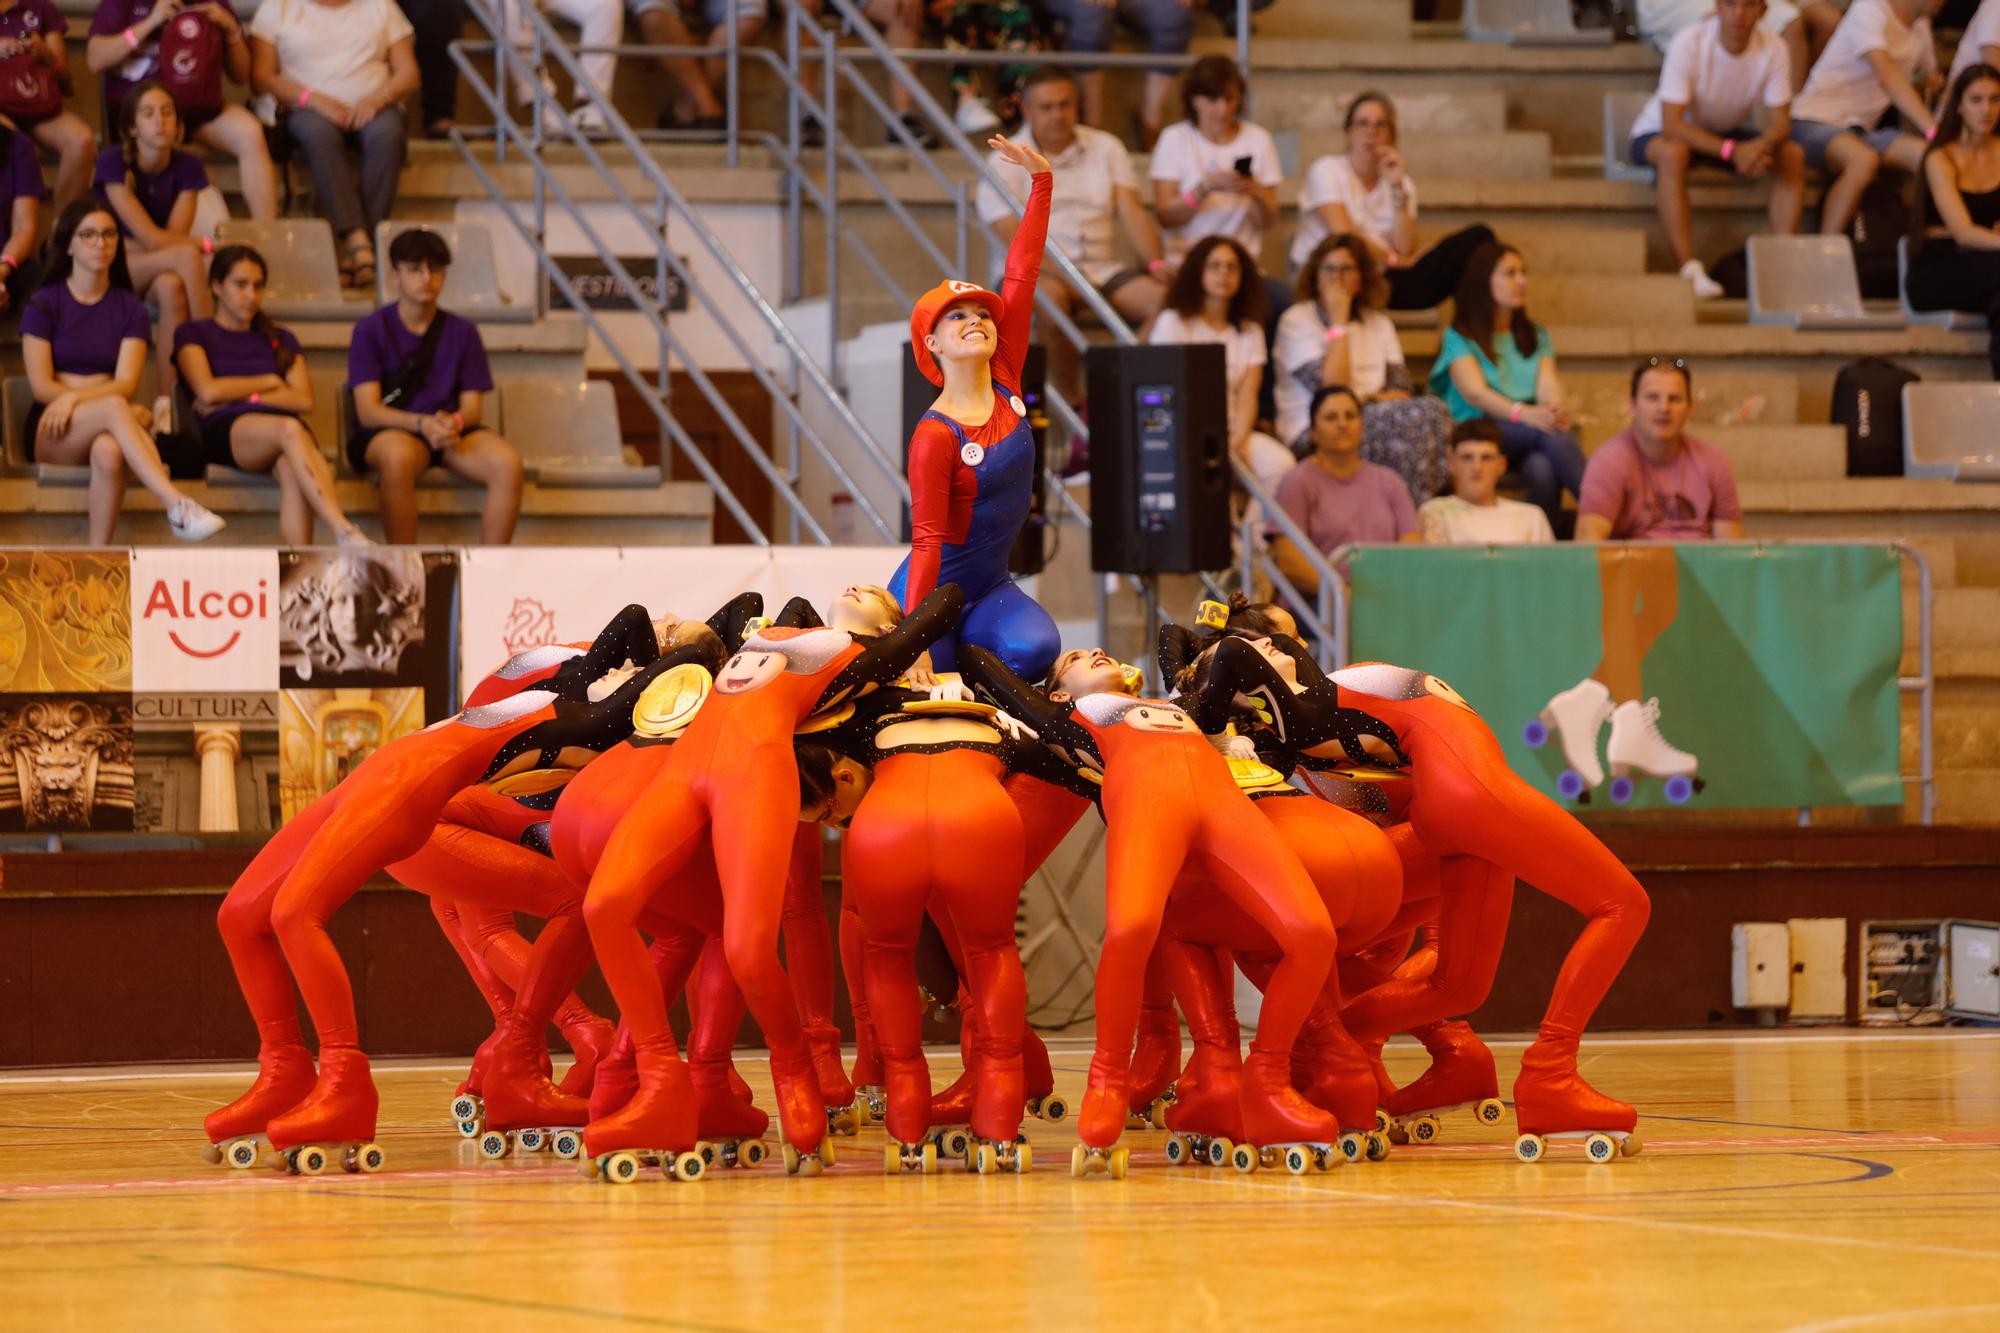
(83, 342)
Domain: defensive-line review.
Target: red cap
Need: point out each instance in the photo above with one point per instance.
(932, 304)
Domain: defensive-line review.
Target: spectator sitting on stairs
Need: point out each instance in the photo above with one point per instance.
(1955, 260)
(1653, 481)
(1475, 513)
(1881, 55)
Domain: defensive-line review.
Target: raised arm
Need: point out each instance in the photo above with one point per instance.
(728, 621)
(627, 636)
(1024, 261)
(798, 614)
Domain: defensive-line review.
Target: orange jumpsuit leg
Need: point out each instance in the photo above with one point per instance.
(853, 966)
(499, 996)
(809, 962)
(1209, 1095)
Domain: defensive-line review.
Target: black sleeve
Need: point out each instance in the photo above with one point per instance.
(728, 622)
(627, 637)
(1178, 647)
(997, 681)
(1235, 668)
(898, 650)
(1304, 664)
(798, 614)
(580, 724)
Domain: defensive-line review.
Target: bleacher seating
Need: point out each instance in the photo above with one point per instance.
(1952, 431)
(1950, 319)
(304, 281)
(1620, 111)
(1809, 282)
(18, 399)
(437, 478)
(473, 289)
(1529, 23)
(567, 432)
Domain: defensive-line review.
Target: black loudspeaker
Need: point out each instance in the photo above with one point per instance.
(1030, 550)
(1159, 459)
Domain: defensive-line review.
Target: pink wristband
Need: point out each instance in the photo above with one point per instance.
(304, 93)
(1335, 332)
(1190, 198)
(458, 420)
(1930, 133)
(255, 399)
(1514, 415)
(1728, 150)
(131, 40)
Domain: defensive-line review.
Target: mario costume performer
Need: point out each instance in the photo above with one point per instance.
(972, 455)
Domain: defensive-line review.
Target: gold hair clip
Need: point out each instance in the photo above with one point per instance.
(755, 625)
(1212, 615)
(1135, 679)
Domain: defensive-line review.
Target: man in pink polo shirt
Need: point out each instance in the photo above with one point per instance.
(1652, 481)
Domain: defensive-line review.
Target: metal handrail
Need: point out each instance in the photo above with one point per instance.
(1923, 684)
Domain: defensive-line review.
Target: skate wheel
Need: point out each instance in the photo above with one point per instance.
(1079, 1161)
(825, 1153)
(1024, 1158)
(1376, 1145)
(1534, 733)
(1679, 789)
(620, 1168)
(312, 1161)
(928, 1156)
(753, 1153)
(1121, 1160)
(1397, 1132)
(1156, 1114)
(791, 1155)
(1631, 1146)
(1219, 1151)
(465, 1106)
(1572, 785)
(1490, 1111)
(707, 1151)
(1298, 1161)
(1424, 1129)
(587, 1167)
(1383, 1120)
(843, 1121)
(1530, 1147)
(892, 1158)
(687, 1166)
(1244, 1158)
(1352, 1147)
(1054, 1108)
(471, 1129)
(954, 1143)
(984, 1160)
(1178, 1150)
(530, 1140)
(493, 1145)
(365, 1160)
(242, 1154)
(1622, 789)
(1600, 1147)
(566, 1144)
(212, 1154)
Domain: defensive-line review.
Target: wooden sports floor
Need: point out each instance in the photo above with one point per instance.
(1800, 1182)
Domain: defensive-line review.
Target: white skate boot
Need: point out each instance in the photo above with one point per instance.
(1575, 717)
(1636, 744)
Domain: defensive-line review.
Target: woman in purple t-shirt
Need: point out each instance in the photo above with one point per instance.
(83, 341)
(21, 195)
(31, 44)
(247, 382)
(151, 186)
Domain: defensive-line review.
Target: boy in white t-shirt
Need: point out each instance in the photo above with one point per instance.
(1802, 25)
(1474, 513)
(1981, 43)
(1881, 55)
(1716, 74)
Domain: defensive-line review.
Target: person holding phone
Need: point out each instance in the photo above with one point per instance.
(1213, 173)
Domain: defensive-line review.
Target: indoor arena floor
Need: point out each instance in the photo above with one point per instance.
(1790, 1181)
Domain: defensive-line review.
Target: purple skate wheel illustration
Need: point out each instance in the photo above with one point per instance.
(1570, 784)
(1679, 789)
(1534, 734)
(1621, 790)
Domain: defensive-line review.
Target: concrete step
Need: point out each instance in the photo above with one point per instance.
(1781, 453)
(1601, 399)
(1320, 20)
(1502, 155)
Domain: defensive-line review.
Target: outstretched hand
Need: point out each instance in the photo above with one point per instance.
(1019, 155)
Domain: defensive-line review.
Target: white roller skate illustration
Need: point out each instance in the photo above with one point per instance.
(1575, 718)
(1637, 746)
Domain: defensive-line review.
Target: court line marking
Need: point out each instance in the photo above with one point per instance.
(1883, 1316)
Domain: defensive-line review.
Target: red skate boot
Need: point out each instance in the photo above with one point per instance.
(590, 1039)
(616, 1080)
(1385, 1087)
(1155, 1061)
(731, 1127)
(1551, 1101)
(802, 1113)
(1461, 1075)
(824, 1043)
(907, 1118)
(655, 1128)
(1206, 1114)
(336, 1123)
(1332, 1071)
(285, 1078)
(525, 1112)
(1038, 1079)
(867, 1077)
(468, 1105)
(1279, 1124)
(1107, 1095)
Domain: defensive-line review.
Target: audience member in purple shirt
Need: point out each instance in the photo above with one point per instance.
(246, 382)
(1335, 496)
(1653, 482)
(21, 195)
(83, 343)
(151, 187)
(36, 28)
(408, 416)
(223, 126)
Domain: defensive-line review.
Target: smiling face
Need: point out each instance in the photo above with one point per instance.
(749, 671)
(864, 608)
(1084, 671)
(1162, 718)
(964, 332)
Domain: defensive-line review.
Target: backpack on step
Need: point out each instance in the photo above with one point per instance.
(191, 61)
(1868, 402)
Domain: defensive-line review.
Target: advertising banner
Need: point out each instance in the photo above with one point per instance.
(204, 619)
(370, 618)
(1714, 676)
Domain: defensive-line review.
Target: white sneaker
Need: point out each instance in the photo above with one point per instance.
(1576, 717)
(589, 119)
(975, 116)
(1705, 287)
(1636, 743)
(193, 522)
(163, 415)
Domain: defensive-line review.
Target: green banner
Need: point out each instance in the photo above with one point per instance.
(1711, 676)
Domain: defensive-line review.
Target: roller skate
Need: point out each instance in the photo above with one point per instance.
(986, 1157)
(802, 1113)
(1461, 1075)
(920, 1157)
(525, 1112)
(1155, 1061)
(237, 1132)
(590, 1040)
(1551, 1101)
(655, 1128)
(869, 1096)
(844, 1115)
(1038, 1080)
(1636, 743)
(468, 1104)
(336, 1123)
(616, 1081)
(731, 1127)
(1106, 1098)
(1282, 1127)
(1575, 718)
(1332, 1072)
(1206, 1116)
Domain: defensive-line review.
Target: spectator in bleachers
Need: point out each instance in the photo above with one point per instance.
(341, 69)
(1335, 496)
(1654, 482)
(1214, 174)
(698, 106)
(988, 25)
(1334, 332)
(1716, 75)
(83, 343)
(1167, 27)
(1217, 298)
(1980, 45)
(247, 380)
(1881, 55)
(1955, 261)
(151, 185)
(33, 67)
(901, 22)
(1496, 362)
(600, 23)
(1368, 191)
(21, 193)
(1801, 28)
(1475, 512)
(418, 374)
(435, 25)
(207, 40)
(1096, 192)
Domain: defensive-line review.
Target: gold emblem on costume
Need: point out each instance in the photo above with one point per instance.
(532, 782)
(671, 701)
(950, 708)
(1254, 774)
(825, 721)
